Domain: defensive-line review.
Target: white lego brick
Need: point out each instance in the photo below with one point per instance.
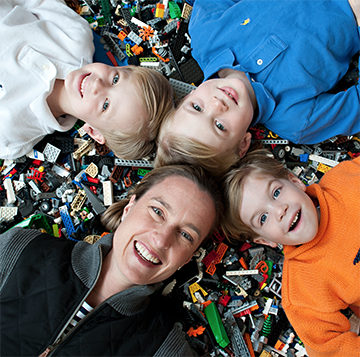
(36, 155)
(323, 160)
(108, 193)
(8, 213)
(18, 185)
(9, 167)
(51, 153)
(10, 193)
(60, 171)
(242, 272)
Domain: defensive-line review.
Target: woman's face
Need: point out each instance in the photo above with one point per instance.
(161, 231)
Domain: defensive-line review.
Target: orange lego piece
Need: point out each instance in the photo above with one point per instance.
(279, 345)
(243, 263)
(221, 250)
(249, 345)
(196, 332)
(211, 269)
(206, 304)
(137, 49)
(121, 35)
(158, 56)
(145, 33)
(262, 266)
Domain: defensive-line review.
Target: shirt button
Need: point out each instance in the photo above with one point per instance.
(45, 67)
(259, 61)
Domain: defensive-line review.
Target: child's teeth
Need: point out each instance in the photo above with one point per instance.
(295, 219)
(82, 85)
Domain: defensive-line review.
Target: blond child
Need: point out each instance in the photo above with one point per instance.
(265, 62)
(47, 82)
(319, 229)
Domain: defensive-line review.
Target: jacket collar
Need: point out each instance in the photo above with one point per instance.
(87, 262)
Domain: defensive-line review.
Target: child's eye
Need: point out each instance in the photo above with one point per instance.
(106, 105)
(277, 193)
(187, 236)
(196, 107)
(263, 219)
(157, 211)
(116, 79)
(220, 126)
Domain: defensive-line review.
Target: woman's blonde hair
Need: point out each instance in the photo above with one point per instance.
(258, 163)
(157, 98)
(173, 150)
(111, 219)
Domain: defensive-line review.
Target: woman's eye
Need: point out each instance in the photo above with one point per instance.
(116, 79)
(263, 219)
(106, 104)
(197, 107)
(277, 193)
(157, 211)
(187, 236)
(219, 126)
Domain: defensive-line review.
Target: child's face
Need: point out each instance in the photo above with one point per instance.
(218, 113)
(278, 210)
(105, 97)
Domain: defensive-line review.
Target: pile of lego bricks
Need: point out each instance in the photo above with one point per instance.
(231, 293)
(149, 33)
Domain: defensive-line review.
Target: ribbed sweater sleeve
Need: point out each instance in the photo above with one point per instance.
(175, 345)
(12, 244)
(321, 278)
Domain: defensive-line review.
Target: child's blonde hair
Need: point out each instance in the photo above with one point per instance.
(157, 98)
(258, 163)
(172, 149)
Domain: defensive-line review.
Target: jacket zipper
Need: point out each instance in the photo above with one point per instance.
(51, 348)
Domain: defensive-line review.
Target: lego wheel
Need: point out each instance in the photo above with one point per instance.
(279, 153)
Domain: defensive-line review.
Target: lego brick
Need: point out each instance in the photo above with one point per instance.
(108, 193)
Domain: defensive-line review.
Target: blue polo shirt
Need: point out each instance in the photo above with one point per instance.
(293, 52)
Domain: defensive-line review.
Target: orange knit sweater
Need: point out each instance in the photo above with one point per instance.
(322, 277)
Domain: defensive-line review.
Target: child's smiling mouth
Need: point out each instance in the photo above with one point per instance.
(295, 221)
(230, 93)
(82, 84)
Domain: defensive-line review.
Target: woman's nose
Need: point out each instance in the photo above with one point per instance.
(163, 237)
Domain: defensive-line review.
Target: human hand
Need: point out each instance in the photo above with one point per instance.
(355, 6)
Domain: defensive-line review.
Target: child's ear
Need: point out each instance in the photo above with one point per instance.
(244, 144)
(264, 241)
(94, 133)
(297, 181)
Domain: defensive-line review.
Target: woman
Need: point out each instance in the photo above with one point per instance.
(44, 281)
